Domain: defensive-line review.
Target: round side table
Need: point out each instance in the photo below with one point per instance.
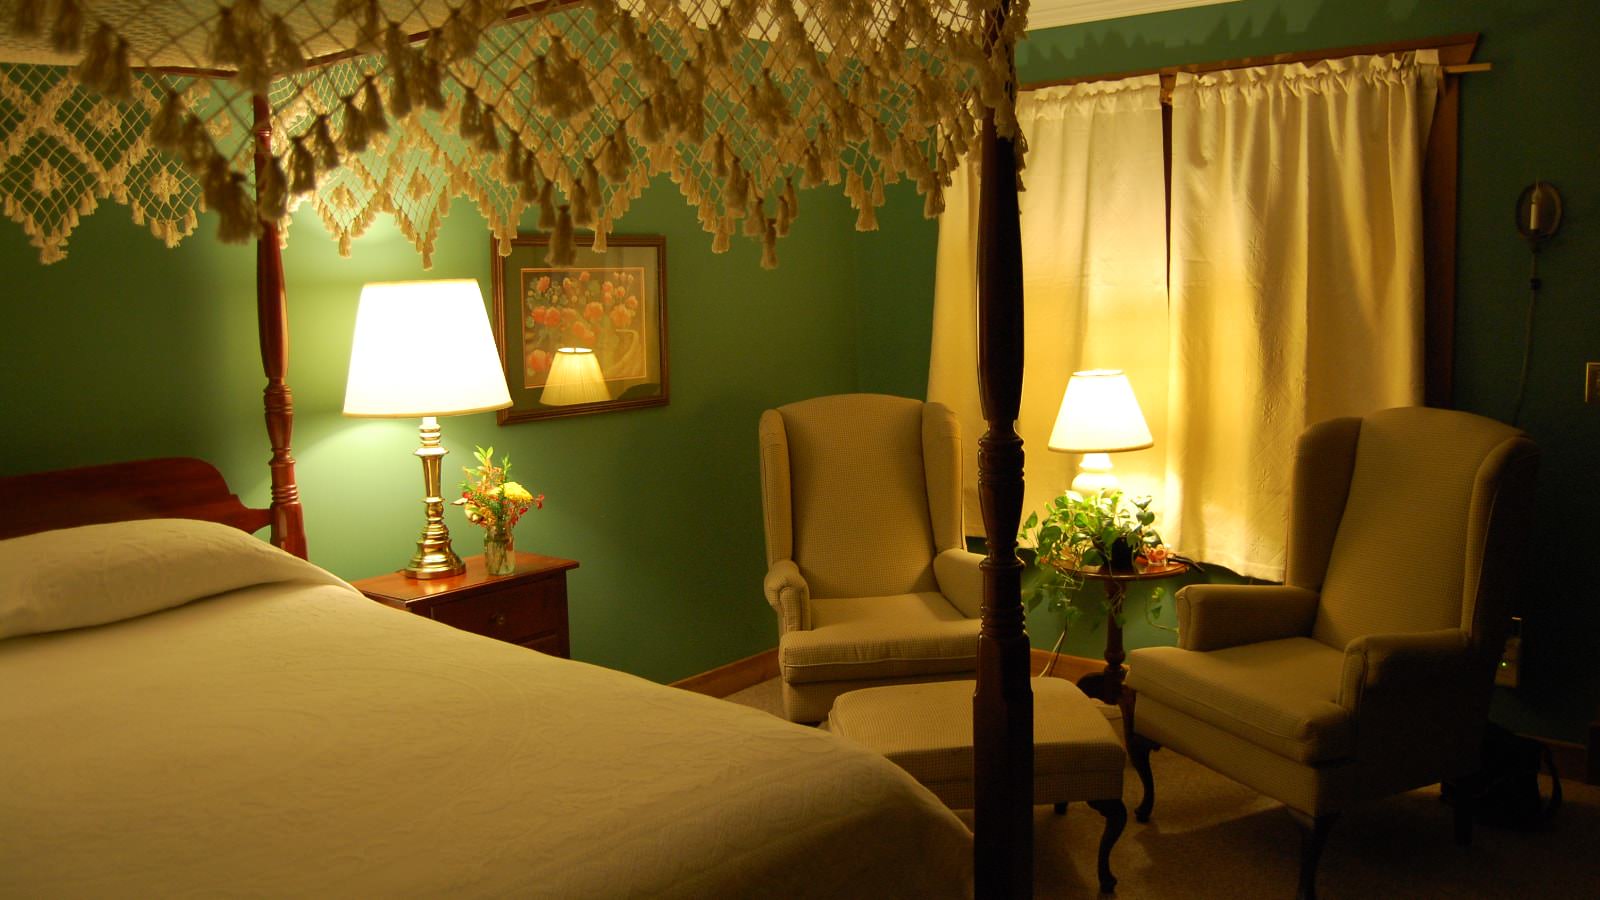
(1106, 685)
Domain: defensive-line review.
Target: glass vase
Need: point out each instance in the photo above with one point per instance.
(499, 556)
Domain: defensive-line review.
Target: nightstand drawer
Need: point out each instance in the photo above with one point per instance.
(514, 613)
(527, 608)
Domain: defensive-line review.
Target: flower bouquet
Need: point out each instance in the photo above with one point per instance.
(496, 505)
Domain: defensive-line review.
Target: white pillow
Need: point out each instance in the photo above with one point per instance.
(75, 577)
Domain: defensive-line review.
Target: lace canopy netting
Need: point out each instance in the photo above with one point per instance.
(399, 106)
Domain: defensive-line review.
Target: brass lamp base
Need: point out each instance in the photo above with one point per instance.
(437, 562)
(434, 557)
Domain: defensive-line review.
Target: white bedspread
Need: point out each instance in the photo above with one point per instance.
(300, 740)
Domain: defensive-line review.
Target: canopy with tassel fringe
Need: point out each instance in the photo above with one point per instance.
(572, 107)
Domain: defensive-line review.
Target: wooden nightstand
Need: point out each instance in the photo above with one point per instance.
(527, 607)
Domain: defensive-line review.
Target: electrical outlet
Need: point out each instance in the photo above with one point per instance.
(1591, 382)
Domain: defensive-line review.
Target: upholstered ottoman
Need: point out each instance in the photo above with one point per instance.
(926, 729)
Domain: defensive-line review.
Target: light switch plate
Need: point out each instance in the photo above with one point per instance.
(1591, 382)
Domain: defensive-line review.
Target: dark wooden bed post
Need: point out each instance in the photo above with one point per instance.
(272, 312)
(1003, 703)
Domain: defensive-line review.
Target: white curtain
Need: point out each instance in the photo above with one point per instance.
(1094, 285)
(1296, 279)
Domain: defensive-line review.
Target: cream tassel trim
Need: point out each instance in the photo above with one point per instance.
(355, 127)
(166, 131)
(286, 54)
(562, 251)
(769, 247)
(28, 18)
(302, 167)
(66, 34)
(272, 196)
(547, 206)
(372, 107)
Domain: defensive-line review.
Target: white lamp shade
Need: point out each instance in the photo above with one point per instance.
(423, 348)
(1099, 414)
(575, 377)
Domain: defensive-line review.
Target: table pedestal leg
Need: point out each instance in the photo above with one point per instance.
(1106, 685)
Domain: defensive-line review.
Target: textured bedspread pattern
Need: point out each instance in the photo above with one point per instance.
(293, 738)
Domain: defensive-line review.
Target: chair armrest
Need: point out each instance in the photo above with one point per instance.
(1424, 666)
(960, 580)
(1215, 616)
(789, 596)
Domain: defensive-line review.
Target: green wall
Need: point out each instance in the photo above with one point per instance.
(127, 350)
(1531, 117)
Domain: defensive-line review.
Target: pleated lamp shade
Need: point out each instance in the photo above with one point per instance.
(575, 377)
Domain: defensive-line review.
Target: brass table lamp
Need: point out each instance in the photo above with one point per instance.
(424, 348)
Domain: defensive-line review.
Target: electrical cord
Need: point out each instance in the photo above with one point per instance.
(1527, 335)
(1055, 652)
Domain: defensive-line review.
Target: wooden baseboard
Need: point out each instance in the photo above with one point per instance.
(733, 677)
(1069, 667)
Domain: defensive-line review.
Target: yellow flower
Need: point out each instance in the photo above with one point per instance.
(516, 493)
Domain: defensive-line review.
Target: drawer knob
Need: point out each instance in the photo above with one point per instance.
(498, 620)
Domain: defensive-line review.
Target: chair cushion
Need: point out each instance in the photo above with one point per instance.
(926, 729)
(880, 637)
(1282, 695)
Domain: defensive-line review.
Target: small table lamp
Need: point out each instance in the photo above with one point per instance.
(1099, 415)
(424, 348)
(574, 378)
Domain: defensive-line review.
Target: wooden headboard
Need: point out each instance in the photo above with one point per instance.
(174, 487)
(184, 487)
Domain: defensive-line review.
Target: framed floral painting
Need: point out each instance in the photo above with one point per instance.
(585, 338)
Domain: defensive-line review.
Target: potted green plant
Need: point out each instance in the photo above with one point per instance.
(1079, 533)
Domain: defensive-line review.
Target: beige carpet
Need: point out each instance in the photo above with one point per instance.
(1210, 837)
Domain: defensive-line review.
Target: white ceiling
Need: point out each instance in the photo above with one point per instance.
(1051, 13)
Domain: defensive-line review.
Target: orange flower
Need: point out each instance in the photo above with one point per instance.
(583, 334)
(584, 275)
(621, 316)
(544, 283)
(539, 361)
(594, 311)
(633, 302)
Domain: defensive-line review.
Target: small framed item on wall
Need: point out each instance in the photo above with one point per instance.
(585, 338)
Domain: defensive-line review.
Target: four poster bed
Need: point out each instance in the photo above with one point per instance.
(361, 106)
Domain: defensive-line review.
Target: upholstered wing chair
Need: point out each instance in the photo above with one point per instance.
(1369, 671)
(866, 564)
